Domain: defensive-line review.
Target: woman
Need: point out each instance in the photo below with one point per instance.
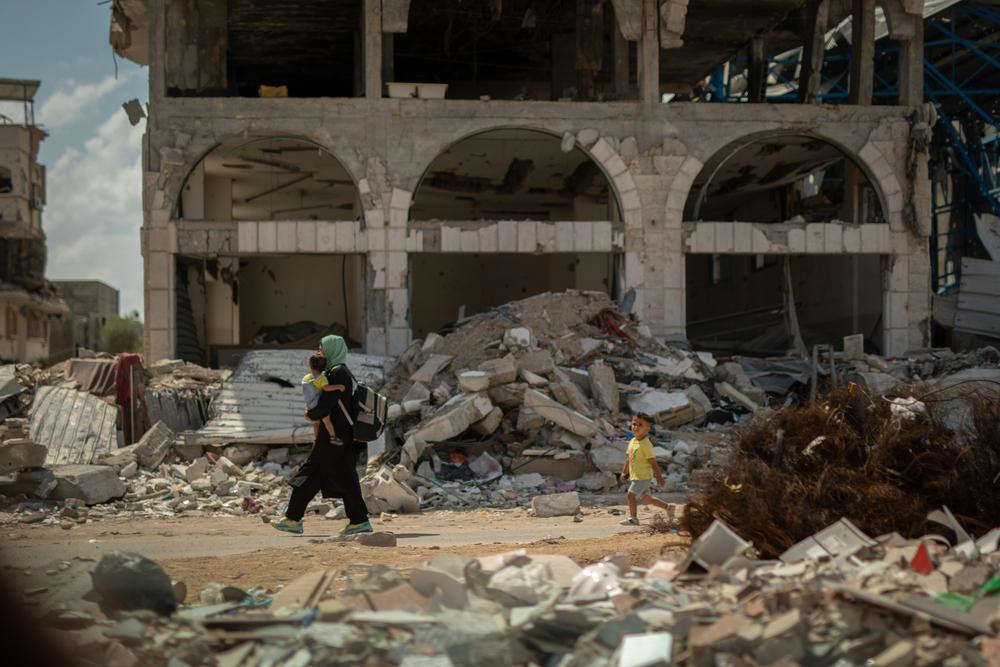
(332, 463)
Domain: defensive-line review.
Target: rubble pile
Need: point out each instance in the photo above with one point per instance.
(544, 386)
(841, 598)
(882, 461)
(178, 393)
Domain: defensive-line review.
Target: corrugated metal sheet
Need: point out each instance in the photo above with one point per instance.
(979, 298)
(75, 426)
(252, 408)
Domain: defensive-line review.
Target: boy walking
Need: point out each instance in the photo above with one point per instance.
(640, 466)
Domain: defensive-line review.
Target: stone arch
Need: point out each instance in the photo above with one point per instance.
(620, 185)
(285, 165)
(870, 161)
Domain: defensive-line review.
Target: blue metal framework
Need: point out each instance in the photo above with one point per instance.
(961, 79)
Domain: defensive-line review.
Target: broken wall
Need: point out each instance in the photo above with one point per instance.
(442, 284)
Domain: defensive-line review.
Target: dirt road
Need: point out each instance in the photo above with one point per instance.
(246, 552)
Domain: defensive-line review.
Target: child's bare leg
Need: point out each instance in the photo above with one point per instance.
(655, 502)
(329, 426)
(633, 508)
(315, 426)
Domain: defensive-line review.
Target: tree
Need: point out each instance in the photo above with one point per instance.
(121, 335)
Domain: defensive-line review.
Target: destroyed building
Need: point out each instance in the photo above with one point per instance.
(91, 304)
(427, 161)
(27, 299)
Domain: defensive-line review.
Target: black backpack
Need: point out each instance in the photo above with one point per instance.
(367, 410)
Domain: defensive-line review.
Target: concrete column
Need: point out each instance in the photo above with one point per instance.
(911, 67)
(649, 60)
(862, 52)
(373, 49)
(621, 53)
(817, 13)
(757, 79)
(157, 53)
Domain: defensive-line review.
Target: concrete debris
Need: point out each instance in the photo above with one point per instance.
(557, 504)
(154, 445)
(519, 608)
(604, 387)
(20, 454)
(383, 492)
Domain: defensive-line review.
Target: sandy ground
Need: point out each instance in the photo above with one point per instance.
(246, 552)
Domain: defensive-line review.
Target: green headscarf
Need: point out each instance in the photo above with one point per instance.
(335, 351)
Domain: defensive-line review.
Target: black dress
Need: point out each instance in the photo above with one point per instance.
(331, 467)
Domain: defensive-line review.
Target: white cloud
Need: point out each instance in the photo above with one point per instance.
(94, 210)
(73, 100)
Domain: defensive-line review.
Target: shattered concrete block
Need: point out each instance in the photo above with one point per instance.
(570, 395)
(274, 455)
(735, 395)
(610, 458)
(412, 407)
(702, 404)
(533, 379)
(395, 411)
(557, 413)
(152, 448)
(556, 504)
(243, 454)
(500, 371)
(473, 381)
(21, 454)
(432, 343)
(519, 336)
(854, 347)
(434, 365)
(198, 468)
(187, 451)
(508, 396)
(233, 470)
(539, 362)
(454, 418)
(418, 391)
(119, 458)
(379, 539)
(597, 481)
(93, 484)
(382, 492)
(568, 142)
(734, 374)
(129, 471)
(490, 423)
(604, 387)
(665, 407)
(528, 420)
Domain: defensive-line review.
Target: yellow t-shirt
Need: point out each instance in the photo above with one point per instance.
(639, 452)
(319, 381)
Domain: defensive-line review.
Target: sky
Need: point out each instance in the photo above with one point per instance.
(92, 155)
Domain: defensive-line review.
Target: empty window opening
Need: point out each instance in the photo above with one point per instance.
(269, 178)
(520, 50)
(514, 175)
(742, 310)
(228, 305)
(6, 182)
(259, 48)
(443, 289)
(791, 178)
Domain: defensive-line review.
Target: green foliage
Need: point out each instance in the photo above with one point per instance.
(121, 335)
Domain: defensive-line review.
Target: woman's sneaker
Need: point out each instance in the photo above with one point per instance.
(289, 526)
(356, 528)
(631, 521)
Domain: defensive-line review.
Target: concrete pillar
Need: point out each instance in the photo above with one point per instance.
(621, 54)
(757, 79)
(862, 52)
(911, 68)
(373, 48)
(157, 53)
(817, 14)
(649, 60)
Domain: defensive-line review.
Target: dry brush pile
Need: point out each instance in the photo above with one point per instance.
(805, 467)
